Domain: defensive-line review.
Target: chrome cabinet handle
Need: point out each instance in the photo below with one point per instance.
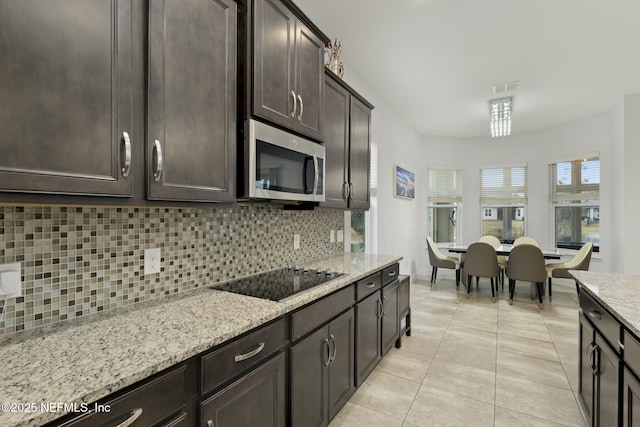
(158, 161)
(588, 353)
(295, 104)
(380, 309)
(328, 359)
(333, 352)
(352, 190)
(392, 273)
(370, 285)
(301, 108)
(596, 359)
(594, 314)
(126, 168)
(249, 355)
(384, 305)
(135, 414)
(345, 190)
(210, 424)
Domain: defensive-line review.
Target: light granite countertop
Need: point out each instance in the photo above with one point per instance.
(86, 360)
(618, 293)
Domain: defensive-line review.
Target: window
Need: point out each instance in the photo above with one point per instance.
(575, 195)
(443, 204)
(503, 199)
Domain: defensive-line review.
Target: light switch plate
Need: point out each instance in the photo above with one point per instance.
(296, 241)
(152, 260)
(11, 280)
(340, 235)
(332, 236)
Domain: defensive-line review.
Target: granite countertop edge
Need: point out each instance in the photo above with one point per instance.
(88, 360)
(617, 292)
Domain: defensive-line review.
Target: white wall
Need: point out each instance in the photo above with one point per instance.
(631, 210)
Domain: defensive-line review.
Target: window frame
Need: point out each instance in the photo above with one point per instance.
(497, 197)
(447, 196)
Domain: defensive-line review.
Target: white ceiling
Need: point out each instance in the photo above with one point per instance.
(435, 61)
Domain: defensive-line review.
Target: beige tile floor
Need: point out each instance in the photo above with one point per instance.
(472, 362)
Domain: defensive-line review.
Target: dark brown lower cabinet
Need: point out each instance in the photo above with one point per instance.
(599, 383)
(257, 399)
(377, 328)
(368, 336)
(390, 316)
(322, 372)
(631, 400)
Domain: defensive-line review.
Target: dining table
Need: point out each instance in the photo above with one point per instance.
(505, 249)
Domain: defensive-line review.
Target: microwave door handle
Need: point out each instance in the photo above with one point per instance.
(316, 175)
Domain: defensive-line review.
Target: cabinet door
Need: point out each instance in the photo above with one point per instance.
(631, 400)
(341, 381)
(359, 154)
(192, 100)
(66, 91)
(309, 360)
(608, 382)
(336, 143)
(585, 370)
(309, 53)
(273, 62)
(257, 399)
(368, 313)
(391, 316)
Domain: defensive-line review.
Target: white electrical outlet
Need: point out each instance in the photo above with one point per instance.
(11, 280)
(332, 236)
(296, 241)
(151, 261)
(340, 235)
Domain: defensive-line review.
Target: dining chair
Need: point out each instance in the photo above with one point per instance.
(526, 263)
(526, 240)
(481, 261)
(438, 260)
(502, 261)
(579, 262)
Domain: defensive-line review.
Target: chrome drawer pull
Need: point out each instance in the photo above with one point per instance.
(594, 314)
(127, 155)
(249, 355)
(620, 345)
(135, 414)
(392, 273)
(370, 285)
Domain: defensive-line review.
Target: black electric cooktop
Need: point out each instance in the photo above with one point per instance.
(278, 284)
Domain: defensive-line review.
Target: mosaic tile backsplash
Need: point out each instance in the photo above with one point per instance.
(77, 261)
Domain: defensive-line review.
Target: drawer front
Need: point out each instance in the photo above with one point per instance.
(147, 405)
(318, 313)
(632, 352)
(390, 273)
(368, 285)
(231, 359)
(602, 319)
(256, 399)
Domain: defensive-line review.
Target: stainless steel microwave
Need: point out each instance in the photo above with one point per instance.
(282, 166)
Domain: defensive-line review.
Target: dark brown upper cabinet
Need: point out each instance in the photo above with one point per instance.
(347, 144)
(288, 76)
(191, 124)
(66, 97)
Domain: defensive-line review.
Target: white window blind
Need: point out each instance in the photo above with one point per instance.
(575, 181)
(504, 186)
(445, 186)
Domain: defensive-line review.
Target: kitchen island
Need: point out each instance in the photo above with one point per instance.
(83, 361)
(609, 360)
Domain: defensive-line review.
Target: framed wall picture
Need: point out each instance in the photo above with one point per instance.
(405, 183)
